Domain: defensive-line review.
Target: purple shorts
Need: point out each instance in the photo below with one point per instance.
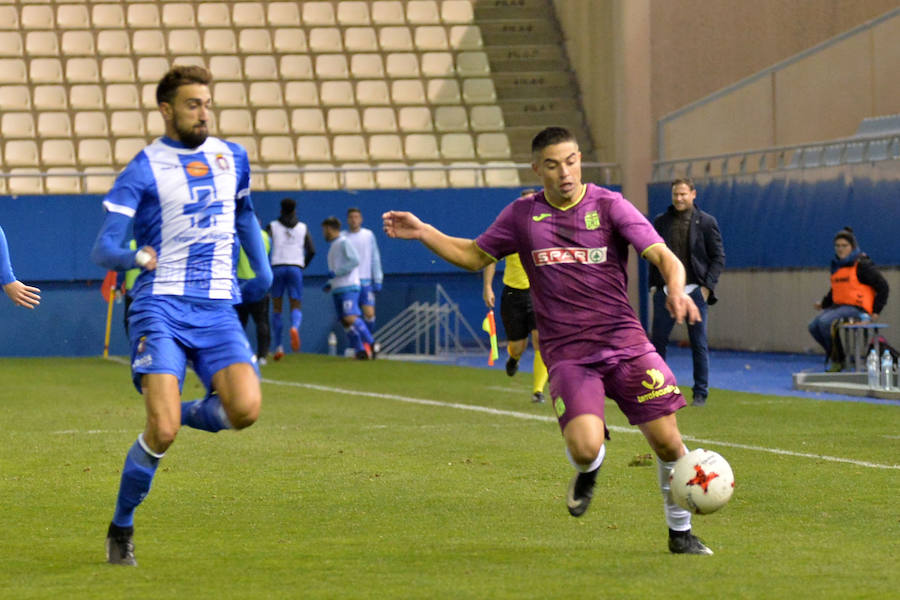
(643, 386)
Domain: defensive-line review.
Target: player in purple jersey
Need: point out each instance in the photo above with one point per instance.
(573, 242)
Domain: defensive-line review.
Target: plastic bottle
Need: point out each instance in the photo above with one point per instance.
(887, 370)
(872, 368)
(332, 344)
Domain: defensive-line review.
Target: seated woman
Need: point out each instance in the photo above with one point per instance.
(858, 291)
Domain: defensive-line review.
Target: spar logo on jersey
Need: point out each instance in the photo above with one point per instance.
(562, 256)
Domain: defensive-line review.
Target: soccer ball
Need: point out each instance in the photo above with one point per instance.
(701, 481)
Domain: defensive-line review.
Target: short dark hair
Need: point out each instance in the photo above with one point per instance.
(332, 222)
(288, 205)
(551, 136)
(353, 209)
(178, 76)
(686, 181)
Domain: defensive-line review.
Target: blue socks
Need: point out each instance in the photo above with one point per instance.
(353, 338)
(206, 414)
(370, 325)
(296, 318)
(277, 329)
(137, 475)
(362, 331)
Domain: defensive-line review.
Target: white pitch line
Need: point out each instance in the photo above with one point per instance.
(531, 417)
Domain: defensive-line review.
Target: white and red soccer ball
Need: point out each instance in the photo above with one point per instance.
(701, 481)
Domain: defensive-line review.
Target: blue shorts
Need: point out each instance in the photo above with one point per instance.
(346, 303)
(287, 278)
(366, 295)
(167, 331)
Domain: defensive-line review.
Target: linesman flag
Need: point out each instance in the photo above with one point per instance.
(490, 326)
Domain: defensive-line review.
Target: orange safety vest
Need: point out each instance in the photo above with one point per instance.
(846, 289)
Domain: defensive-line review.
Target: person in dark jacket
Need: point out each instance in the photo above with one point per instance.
(694, 237)
(858, 291)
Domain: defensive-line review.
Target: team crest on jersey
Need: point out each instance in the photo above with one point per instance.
(222, 162)
(196, 168)
(559, 256)
(592, 220)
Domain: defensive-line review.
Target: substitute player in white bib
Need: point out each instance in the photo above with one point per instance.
(187, 198)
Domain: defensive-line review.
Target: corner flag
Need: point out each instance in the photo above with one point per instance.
(490, 326)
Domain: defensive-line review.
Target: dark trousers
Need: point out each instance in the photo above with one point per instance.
(260, 313)
(662, 328)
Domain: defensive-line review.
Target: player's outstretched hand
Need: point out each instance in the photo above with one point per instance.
(402, 225)
(23, 295)
(682, 308)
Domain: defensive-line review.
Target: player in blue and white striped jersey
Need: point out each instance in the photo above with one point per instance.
(186, 197)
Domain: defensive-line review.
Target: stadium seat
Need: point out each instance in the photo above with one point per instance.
(407, 91)
(148, 95)
(127, 123)
(460, 177)
(451, 118)
(152, 68)
(283, 14)
(431, 37)
(473, 63)
(9, 17)
(91, 124)
(358, 176)
(486, 117)
(263, 67)
(14, 97)
(117, 69)
(185, 41)
(395, 39)
(143, 15)
(372, 91)
(307, 120)
(17, 125)
(95, 152)
(325, 40)
(45, 43)
(113, 42)
(332, 66)
(49, 70)
(351, 13)
(379, 119)
(226, 68)
(229, 94)
(343, 120)
(493, 145)
(336, 93)
(429, 178)
(457, 11)
(13, 70)
(79, 70)
(457, 146)
(317, 14)
(415, 118)
(402, 64)
(249, 144)
(283, 177)
(388, 12)
(127, 148)
(272, 121)
(25, 181)
(503, 174)
(385, 147)
(11, 44)
(36, 17)
(155, 125)
(107, 16)
(72, 16)
(59, 180)
(86, 97)
(479, 91)
(392, 176)
(465, 37)
(98, 180)
(255, 41)
(175, 15)
(235, 121)
(49, 97)
(366, 66)
(266, 93)
(74, 43)
(219, 41)
(276, 148)
(320, 180)
(421, 146)
(422, 12)
(51, 124)
(443, 91)
(311, 148)
(248, 14)
(349, 148)
(438, 64)
(296, 66)
(288, 41)
(213, 14)
(58, 153)
(301, 93)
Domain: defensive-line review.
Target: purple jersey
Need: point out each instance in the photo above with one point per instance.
(576, 262)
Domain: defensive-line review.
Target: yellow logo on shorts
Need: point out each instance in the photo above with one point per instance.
(656, 379)
(656, 386)
(559, 406)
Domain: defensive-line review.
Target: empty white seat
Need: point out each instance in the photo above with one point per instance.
(407, 91)
(21, 153)
(366, 66)
(49, 97)
(82, 70)
(325, 39)
(421, 146)
(465, 37)
(179, 14)
(255, 41)
(336, 93)
(372, 91)
(13, 70)
(72, 16)
(14, 97)
(59, 180)
(229, 94)
(361, 39)
(451, 118)
(11, 44)
(152, 68)
(86, 97)
(283, 14)
(9, 17)
(25, 181)
(219, 41)
(288, 41)
(77, 43)
(422, 11)
(59, 153)
(343, 120)
(272, 120)
(332, 66)
(296, 66)
(127, 123)
(425, 177)
(266, 93)
(349, 147)
(52, 124)
(95, 152)
(460, 176)
(457, 11)
(148, 42)
(276, 148)
(91, 124)
(415, 118)
(248, 14)
(155, 124)
(379, 119)
(388, 12)
(235, 121)
(301, 93)
(117, 69)
(185, 41)
(122, 95)
(107, 16)
(307, 120)
(36, 17)
(438, 64)
(395, 39)
(127, 148)
(457, 146)
(486, 117)
(431, 37)
(98, 180)
(225, 68)
(249, 144)
(49, 70)
(493, 145)
(259, 66)
(357, 176)
(283, 177)
(312, 148)
(213, 14)
(143, 15)
(385, 146)
(113, 42)
(318, 13)
(319, 176)
(479, 90)
(148, 95)
(351, 12)
(17, 125)
(402, 64)
(189, 60)
(473, 63)
(502, 174)
(392, 176)
(443, 91)
(45, 43)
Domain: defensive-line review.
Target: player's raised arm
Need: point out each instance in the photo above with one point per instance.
(461, 252)
(678, 303)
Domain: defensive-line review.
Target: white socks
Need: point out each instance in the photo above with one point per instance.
(591, 467)
(677, 518)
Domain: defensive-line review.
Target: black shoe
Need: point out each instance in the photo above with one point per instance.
(685, 542)
(699, 401)
(512, 366)
(537, 397)
(119, 547)
(581, 490)
(362, 355)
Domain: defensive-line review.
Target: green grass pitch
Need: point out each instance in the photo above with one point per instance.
(368, 480)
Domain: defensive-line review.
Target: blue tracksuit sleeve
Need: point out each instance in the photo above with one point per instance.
(350, 259)
(108, 251)
(6, 272)
(377, 273)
